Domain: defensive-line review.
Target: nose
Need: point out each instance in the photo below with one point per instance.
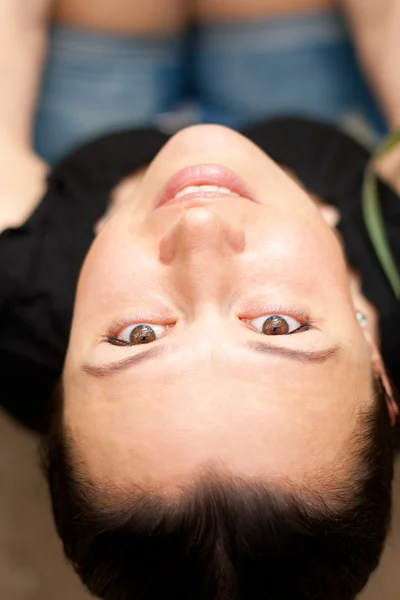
(200, 232)
(202, 248)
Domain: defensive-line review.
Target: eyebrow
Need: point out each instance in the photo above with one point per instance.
(303, 356)
(127, 362)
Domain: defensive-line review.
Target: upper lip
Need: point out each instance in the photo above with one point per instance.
(203, 174)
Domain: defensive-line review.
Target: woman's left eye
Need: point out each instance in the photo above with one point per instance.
(278, 325)
(139, 333)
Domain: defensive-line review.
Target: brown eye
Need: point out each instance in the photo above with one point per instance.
(278, 325)
(134, 335)
(142, 334)
(275, 325)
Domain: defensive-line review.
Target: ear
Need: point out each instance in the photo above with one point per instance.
(380, 373)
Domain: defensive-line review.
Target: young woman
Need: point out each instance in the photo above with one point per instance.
(245, 449)
(223, 421)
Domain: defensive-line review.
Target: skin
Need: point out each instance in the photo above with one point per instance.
(375, 31)
(204, 271)
(22, 53)
(166, 16)
(252, 9)
(157, 17)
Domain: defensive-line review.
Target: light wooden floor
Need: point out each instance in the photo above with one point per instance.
(31, 562)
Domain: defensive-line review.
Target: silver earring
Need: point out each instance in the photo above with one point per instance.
(361, 318)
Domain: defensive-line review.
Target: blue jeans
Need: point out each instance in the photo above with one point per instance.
(229, 73)
(96, 83)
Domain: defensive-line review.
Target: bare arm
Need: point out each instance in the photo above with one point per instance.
(376, 32)
(22, 52)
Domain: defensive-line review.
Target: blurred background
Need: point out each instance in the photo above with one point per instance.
(32, 566)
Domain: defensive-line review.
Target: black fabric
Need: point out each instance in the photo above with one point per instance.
(40, 262)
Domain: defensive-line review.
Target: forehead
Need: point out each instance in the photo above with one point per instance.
(163, 421)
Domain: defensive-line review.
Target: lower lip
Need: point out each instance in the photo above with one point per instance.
(202, 175)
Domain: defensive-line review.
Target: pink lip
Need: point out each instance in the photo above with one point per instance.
(202, 175)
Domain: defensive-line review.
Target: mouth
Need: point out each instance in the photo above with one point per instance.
(205, 182)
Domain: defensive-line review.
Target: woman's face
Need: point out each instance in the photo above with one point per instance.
(220, 381)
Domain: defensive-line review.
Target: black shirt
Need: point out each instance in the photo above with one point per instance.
(40, 261)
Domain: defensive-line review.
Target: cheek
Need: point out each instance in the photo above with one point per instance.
(305, 254)
(116, 269)
(312, 240)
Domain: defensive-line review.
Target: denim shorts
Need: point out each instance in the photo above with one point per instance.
(229, 73)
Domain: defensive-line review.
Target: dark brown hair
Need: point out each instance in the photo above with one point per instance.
(226, 538)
